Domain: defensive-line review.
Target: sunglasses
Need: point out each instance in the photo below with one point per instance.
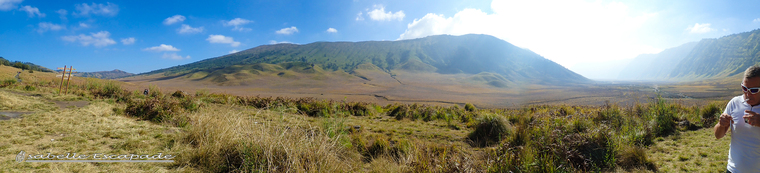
(750, 90)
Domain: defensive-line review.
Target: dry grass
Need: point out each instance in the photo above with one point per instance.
(91, 129)
(10, 101)
(691, 151)
(227, 138)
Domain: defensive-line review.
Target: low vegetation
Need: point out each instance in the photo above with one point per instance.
(226, 133)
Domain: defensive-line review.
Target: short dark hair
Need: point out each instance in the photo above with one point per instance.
(752, 71)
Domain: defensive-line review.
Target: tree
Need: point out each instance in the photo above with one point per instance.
(18, 65)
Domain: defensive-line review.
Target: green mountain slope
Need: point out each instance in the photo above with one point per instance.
(656, 66)
(727, 56)
(444, 54)
(105, 74)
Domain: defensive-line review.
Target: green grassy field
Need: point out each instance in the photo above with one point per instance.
(212, 132)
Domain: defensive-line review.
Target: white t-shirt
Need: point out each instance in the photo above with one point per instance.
(744, 154)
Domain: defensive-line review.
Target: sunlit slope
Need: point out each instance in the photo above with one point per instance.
(727, 56)
(443, 54)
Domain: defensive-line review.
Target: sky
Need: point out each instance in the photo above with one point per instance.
(594, 38)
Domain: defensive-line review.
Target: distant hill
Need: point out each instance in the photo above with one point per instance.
(656, 66)
(707, 59)
(496, 61)
(113, 74)
(727, 56)
(23, 65)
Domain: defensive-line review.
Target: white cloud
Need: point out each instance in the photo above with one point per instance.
(161, 48)
(332, 30)
(99, 39)
(238, 24)
(6, 5)
(107, 9)
(62, 13)
(756, 20)
(567, 31)
(128, 41)
(379, 14)
(174, 19)
(222, 39)
(174, 56)
(83, 25)
(187, 29)
(233, 51)
(700, 28)
(47, 26)
(276, 42)
(31, 11)
(359, 17)
(287, 31)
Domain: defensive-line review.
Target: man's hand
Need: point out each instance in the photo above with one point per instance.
(752, 118)
(726, 120)
(722, 127)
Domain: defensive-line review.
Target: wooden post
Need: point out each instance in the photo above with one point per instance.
(63, 74)
(68, 79)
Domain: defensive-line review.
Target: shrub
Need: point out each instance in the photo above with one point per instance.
(359, 108)
(109, 90)
(399, 111)
(154, 109)
(178, 94)
(7, 82)
(634, 157)
(29, 88)
(709, 114)
(664, 121)
(489, 130)
(470, 107)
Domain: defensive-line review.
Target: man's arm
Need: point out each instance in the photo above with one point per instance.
(721, 128)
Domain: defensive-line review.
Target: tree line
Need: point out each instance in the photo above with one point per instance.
(23, 65)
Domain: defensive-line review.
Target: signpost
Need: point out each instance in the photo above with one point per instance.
(65, 76)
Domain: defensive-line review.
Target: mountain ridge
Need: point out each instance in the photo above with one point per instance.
(444, 54)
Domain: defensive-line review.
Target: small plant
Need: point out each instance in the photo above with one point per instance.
(178, 94)
(109, 90)
(153, 109)
(29, 88)
(709, 114)
(634, 157)
(7, 82)
(470, 107)
(490, 130)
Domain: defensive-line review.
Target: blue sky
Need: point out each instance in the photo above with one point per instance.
(140, 36)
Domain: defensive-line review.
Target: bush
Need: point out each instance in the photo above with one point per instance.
(664, 122)
(154, 109)
(7, 82)
(178, 94)
(29, 88)
(470, 107)
(634, 157)
(489, 130)
(359, 108)
(710, 114)
(399, 111)
(109, 90)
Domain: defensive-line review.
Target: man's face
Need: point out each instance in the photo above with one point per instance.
(754, 99)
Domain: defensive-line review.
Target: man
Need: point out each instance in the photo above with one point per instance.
(741, 117)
